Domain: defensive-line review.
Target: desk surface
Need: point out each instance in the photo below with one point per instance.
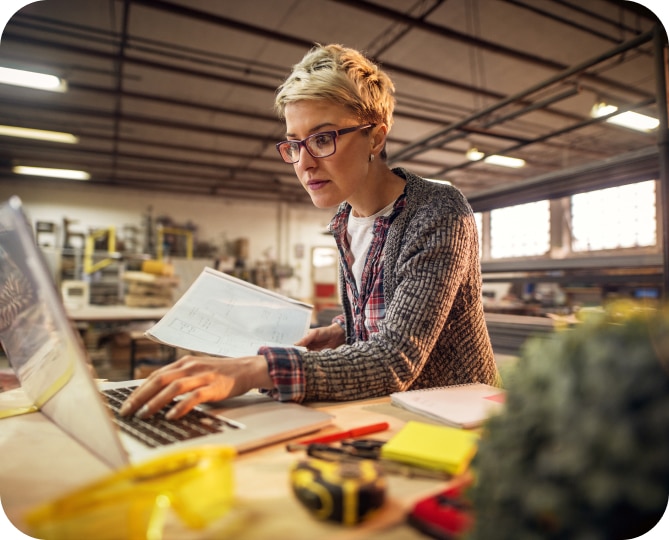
(39, 463)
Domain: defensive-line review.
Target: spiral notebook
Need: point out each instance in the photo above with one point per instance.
(462, 405)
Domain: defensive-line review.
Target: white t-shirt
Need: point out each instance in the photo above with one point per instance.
(360, 234)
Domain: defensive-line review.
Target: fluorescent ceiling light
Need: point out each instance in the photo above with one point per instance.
(52, 173)
(40, 134)
(32, 79)
(504, 161)
(628, 119)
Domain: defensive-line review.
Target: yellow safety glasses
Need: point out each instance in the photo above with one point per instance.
(134, 502)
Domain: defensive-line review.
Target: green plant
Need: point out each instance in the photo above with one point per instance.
(582, 450)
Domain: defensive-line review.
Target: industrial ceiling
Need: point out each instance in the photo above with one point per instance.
(177, 96)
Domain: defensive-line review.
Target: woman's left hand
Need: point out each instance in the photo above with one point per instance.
(197, 379)
(324, 337)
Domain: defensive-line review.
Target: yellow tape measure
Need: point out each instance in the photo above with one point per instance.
(346, 492)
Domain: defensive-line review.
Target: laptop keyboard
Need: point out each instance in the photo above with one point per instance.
(157, 430)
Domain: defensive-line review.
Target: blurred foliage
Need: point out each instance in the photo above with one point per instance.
(582, 450)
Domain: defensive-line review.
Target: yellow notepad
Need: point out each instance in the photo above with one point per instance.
(442, 448)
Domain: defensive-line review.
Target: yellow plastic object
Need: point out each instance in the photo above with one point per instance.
(158, 268)
(134, 502)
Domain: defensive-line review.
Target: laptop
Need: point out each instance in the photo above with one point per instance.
(50, 361)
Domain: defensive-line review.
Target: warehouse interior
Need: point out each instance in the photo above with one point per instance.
(344, 400)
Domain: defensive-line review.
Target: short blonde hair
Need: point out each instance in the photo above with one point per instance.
(344, 76)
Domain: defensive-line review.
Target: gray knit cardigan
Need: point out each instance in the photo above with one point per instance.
(434, 332)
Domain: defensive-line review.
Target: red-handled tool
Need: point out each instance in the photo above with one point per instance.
(339, 436)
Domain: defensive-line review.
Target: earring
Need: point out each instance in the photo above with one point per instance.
(371, 157)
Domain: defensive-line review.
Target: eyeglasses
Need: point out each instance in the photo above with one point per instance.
(319, 145)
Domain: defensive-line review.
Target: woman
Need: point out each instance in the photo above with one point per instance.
(410, 272)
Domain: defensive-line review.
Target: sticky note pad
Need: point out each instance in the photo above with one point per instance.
(431, 446)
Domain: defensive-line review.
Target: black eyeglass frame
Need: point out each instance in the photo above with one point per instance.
(334, 134)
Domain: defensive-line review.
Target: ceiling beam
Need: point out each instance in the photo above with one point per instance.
(620, 170)
(435, 139)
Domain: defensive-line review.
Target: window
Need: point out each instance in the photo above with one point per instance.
(618, 217)
(520, 231)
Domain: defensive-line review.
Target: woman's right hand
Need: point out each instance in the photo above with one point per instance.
(326, 337)
(196, 379)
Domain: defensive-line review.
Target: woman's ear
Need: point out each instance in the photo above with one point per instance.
(378, 138)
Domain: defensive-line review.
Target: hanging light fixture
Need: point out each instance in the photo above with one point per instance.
(628, 119)
(39, 134)
(32, 79)
(505, 161)
(473, 154)
(68, 174)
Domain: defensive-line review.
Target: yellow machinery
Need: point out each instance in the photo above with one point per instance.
(90, 266)
(162, 231)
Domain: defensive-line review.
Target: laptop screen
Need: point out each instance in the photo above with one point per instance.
(42, 347)
(30, 335)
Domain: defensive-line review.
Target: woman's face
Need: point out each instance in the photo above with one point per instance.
(341, 176)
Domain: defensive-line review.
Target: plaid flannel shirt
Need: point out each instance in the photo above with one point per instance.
(367, 302)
